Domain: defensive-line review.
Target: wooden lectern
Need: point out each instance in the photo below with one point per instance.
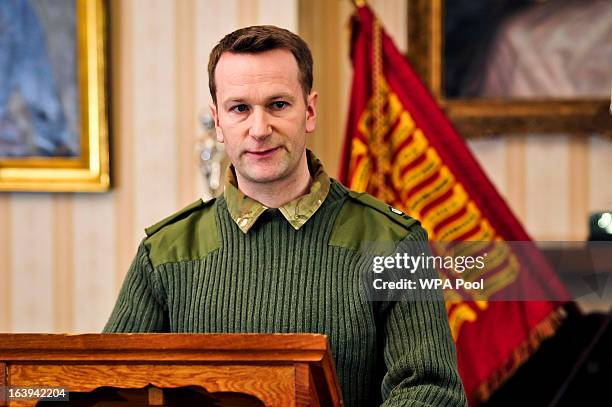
(172, 369)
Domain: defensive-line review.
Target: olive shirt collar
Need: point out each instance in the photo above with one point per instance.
(245, 210)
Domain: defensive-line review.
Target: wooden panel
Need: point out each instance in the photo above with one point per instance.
(247, 13)
(272, 385)
(578, 186)
(263, 363)
(600, 178)
(64, 261)
(154, 112)
(156, 396)
(547, 193)
(302, 384)
(5, 263)
(122, 60)
(515, 177)
(94, 288)
(230, 360)
(312, 387)
(187, 123)
(318, 22)
(32, 262)
(164, 347)
(3, 383)
(491, 154)
(280, 13)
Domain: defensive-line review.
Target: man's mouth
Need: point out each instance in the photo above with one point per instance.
(263, 153)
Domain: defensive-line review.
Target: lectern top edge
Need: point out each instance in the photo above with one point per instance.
(165, 341)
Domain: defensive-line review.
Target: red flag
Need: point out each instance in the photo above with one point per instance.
(401, 148)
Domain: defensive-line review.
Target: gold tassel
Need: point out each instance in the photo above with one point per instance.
(544, 330)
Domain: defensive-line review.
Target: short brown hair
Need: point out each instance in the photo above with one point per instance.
(261, 38)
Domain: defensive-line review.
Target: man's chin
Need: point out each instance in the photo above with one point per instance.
(263, 177)
(263, 172)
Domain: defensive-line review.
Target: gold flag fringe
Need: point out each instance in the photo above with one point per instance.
(542, 331)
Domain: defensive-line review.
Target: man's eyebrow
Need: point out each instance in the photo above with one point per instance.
(281, 96)
(276, 96)
(233, 100)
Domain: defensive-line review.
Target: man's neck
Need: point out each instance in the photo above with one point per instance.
(276, 194)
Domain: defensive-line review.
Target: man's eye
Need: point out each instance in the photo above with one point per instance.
(239, 108)
(279, 105)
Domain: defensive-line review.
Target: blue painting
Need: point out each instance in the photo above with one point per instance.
(39, 93)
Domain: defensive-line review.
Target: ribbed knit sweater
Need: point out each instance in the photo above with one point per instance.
(278, 279)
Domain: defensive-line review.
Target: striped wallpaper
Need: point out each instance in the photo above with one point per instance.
(63, 256)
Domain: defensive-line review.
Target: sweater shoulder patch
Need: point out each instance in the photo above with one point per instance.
(189, 234)
(392, 213)
(151, 230)
(365, 220)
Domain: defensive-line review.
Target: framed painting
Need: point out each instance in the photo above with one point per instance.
(516, 66)
(54, 132)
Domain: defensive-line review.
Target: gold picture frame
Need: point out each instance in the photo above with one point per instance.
(483, 117)
(89, 171)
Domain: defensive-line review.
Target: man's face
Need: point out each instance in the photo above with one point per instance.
(261, 115)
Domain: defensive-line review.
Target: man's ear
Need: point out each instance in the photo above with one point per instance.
(311, 112)
(215, 115)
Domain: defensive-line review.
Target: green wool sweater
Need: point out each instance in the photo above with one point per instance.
(197, 272)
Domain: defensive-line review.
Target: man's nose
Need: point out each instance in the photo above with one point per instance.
(260, 124)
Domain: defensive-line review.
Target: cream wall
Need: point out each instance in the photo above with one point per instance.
(63, 256)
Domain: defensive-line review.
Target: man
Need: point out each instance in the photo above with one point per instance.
(281, 250)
